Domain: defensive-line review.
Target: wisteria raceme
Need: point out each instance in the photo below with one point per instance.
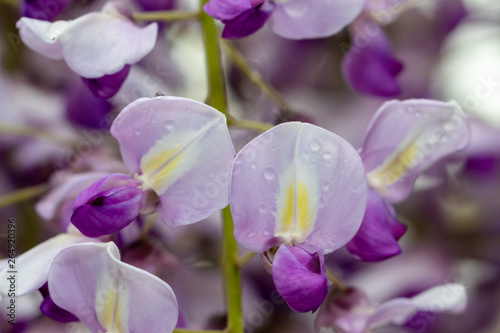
(237, 166)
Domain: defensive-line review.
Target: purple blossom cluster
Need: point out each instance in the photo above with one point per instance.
(282, 192)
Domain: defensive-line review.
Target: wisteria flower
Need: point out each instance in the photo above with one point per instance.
(107, 295)
(403, 139)
(297, 192)
(294, 19)
(350, 311)
(369, 66)
(98, 46)
(179, 153)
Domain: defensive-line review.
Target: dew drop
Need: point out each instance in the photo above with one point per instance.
(251, 234)
(327, 155)
(269, 174)
(153, 121)
(168, 124)
(322, 203)
(296, 9)
(253, 165)
(266, 233)
(137, 132)
(315, 145)
(262, 208)
(326, 186)
(409, 109)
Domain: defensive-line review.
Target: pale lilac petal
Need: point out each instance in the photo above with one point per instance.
(90, 281)
(300, 19)
(297, 167)
(42, 36)
(300, 277)
(93, 45)
(406, 137)
(226, 9)
(444, 298)
(247, 23)
(182, 150)
(50, 204)
(33, 265)
(108, 205)
(370, 67)
(377, 238)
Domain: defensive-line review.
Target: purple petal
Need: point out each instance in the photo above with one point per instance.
(300, 277)
(51, 310)
(227, 9)
(106, 294)
(247, 22)
(182, 150)
(108, 85)
(406, 137)
(108, 205)
(83, 108)
(377, 238)
(370, 67)
(35, 264)
(339, 311)
(297, 183)
(43, 9)
(300, 19)
(153, 5)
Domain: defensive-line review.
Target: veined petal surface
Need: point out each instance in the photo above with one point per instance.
(181, 149)
(297, 183)
(90, 281)
(406, 137)
(300, 19)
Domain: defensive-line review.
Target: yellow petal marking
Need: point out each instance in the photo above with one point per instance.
(395, 168)
(159, 170)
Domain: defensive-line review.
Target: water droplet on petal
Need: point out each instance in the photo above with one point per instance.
(137, 132)
(326, 186)
(315, 145)
(269, 174)
(262, 208)
(409, 109)
(253, 165)
(327, 155)
(168, 124)
(266, 233)
(322, 203)
(251, 234)
(296, 9)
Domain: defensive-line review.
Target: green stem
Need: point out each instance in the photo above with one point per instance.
(22, 194)
(167, 15)
(335, 280)
(255, 76)
(12, 3)
(217, 99)
(250, 124)
(245, 258)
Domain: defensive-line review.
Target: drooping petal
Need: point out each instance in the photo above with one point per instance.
(108, 205)
(42, 36)
(378, 235)
(34, 264)
(370, 67)
(300, 19)
(108, 85)
(90, 281)
(181, 149)
(406, 137)
(297, 183)
(445, 298)
(248, 22)
(93, 45)
(300, 277)
(227, 9)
